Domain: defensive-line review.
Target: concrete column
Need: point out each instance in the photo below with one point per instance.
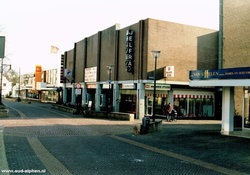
(97, 96)
(64, 93)
(140, 107)
(116, 97)
(227, 110)
(84, 94)
(73, 96)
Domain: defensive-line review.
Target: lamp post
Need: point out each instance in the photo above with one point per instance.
(110, 66)
(155, 54)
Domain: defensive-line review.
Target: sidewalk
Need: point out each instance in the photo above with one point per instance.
(200, 140)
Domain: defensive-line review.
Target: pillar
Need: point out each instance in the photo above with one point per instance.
(116, 97)
(227, 110)
(84, 94)
(97, 96)
(64, 93)
(73, 96)
(140, 107)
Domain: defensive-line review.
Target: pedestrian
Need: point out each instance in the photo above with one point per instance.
(168, 111)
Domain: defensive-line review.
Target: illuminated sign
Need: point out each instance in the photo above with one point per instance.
(129, 63)
(230, 73)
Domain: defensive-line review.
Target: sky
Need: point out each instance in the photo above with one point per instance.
(32, 26)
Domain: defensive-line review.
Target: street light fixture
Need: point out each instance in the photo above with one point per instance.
(155, 55)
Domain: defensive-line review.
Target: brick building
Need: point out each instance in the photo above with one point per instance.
(128, 50)
(234, 64)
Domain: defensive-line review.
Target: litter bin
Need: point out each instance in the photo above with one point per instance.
(145, 125)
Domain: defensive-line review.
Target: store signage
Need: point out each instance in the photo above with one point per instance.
(90, 74)
(130, 48)
(91, 86)
(128, 86)
(78, 91)
(161, 87)
(106, 86)
(169, 71)
(230, 73)
(62, 69)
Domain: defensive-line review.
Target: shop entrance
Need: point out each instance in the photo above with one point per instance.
(128, 103)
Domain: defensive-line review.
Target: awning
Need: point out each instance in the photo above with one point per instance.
(191, 96)
(157, 95)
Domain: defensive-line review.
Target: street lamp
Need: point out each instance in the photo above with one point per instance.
(110, 66)
(155, 55)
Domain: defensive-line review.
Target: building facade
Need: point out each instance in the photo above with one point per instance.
(114, 68)
(234, 65)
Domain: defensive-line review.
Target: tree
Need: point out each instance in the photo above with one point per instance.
(12, 76)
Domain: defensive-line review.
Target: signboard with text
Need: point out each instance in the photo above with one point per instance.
(169, 71)
(230, 73)
(90, 74)
(162, 87)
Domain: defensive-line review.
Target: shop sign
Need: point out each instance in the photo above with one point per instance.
(161, 87)
(106, 86)
(130, 48)
(128, 86)
(230, 73)
(169, 71)
(91, 86)
(90, 74)
(78, 91)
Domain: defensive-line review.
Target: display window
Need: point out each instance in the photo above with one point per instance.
(194, 107)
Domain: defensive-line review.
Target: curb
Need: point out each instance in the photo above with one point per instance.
(3, 160)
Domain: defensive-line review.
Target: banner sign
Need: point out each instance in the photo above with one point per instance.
(230, 73)
(90, 74)
(162, 87)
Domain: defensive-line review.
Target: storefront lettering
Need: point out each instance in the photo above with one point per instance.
(230, 73)
(129, 63)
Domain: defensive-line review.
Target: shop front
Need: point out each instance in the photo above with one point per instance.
(106, 98)
(193, 103)
(128, 98)
(162, 93)
(91, 91)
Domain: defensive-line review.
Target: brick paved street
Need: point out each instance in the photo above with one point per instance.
(37, 137)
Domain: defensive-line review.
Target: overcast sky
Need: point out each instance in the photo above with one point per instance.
(32, 26)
